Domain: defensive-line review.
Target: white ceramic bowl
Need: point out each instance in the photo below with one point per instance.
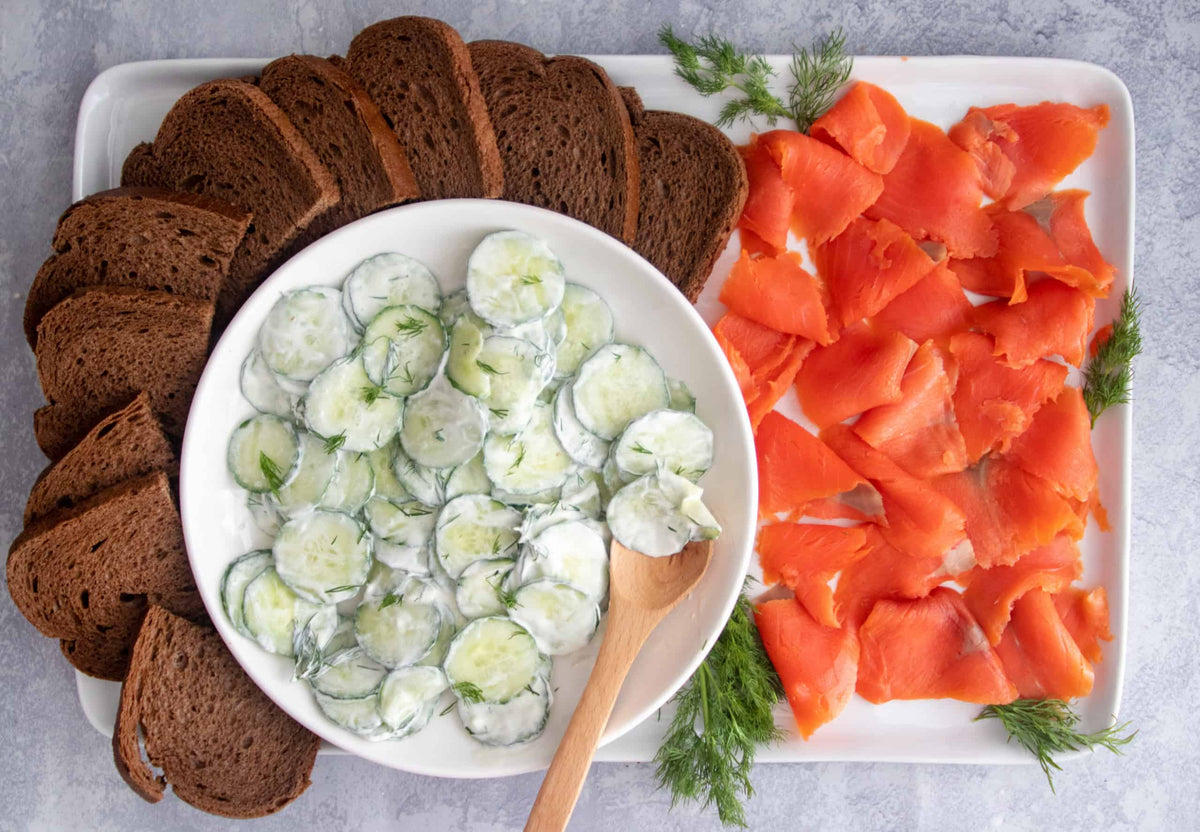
(648, 311)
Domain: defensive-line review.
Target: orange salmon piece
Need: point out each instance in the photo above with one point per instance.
(1039, 654)
(773, 389)
(883, 572)
(934, 307)
(1058, 446)
(1084, 612)
(767, 213)
(778, 293)
(804, 557)
(869, 124)
(1053, 320)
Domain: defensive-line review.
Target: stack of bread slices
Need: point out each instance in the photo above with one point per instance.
(242, 174)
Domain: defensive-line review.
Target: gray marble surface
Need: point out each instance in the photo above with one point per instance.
(56, 770)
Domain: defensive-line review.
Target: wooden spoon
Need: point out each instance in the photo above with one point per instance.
(642, 590)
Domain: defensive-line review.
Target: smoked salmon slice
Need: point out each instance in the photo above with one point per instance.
(1084, 612)
(993, 402)
(1008, 511)
(1023, 152)
(817, 665)
(829, 188)
(795, 467)
(767, 213)
(934, 192)
(868, 265)
(1062, 215)
(935, 307)
(860, 370)
(991, 593)
(1053, 320)
(1039, 654)
(1058, 446)
(920, 432)
(883, 572)
(804, 557)
(772, 389)
(930, 648)
(869, 124)
(778, 293)
(920, 521)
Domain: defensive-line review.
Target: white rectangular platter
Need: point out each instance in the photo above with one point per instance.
(125, 104)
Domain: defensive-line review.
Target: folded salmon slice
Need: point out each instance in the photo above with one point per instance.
(991, 593)
(1057, 447)
(1084, 612)
(934, 307)
(1023, 152)
(934, 193)
(994, 402)
(817, 665)
(778, 293)
(795, 468)
(1061, 214)
(1053, 320)
(868, 265)
(883, 572)
(767, 214)
(869, 124)
(829, 188)
(804, 557)
(930, 648)
(773, 388)
(1039, 653)
(860, 370)
(920, 432)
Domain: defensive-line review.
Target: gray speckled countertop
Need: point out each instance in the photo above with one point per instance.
(57, 771)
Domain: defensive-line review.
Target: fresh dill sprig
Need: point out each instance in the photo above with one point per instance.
(333, 443)
(639, 448)
(468, 692)
(724, 713)
(270, 471)
(410, 327)
(530, 280)
(1045, 727)
(1107, 377)
(520, 458)
(489, 369)
(817, 74)
(345, 588)
(388, 600)
(371, 393)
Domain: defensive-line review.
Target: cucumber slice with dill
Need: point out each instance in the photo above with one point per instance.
(514, 277)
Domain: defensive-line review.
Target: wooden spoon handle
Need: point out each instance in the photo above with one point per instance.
(626, 633)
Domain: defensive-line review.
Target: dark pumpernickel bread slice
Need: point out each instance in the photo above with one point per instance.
(102, 346)
(221, 744)
(419, 72)
(86, 574)
(125, 444)
(227, 139)
(563, 133)
(342, 124)
(693, 187)
(145, 238)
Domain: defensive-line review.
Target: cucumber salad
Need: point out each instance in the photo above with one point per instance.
(440, 477)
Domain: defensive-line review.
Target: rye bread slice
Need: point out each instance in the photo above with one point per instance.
(125, 444)
(419, 72)
(87, 573)
(100, 347)
(221, 744)
(563, 133)
(145, 238)
(693, 187)
(227, 139)
(342, 124)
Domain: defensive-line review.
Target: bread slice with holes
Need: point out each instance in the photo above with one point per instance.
(127, 443)
(343, 126)
(563, 133)
(419, 72)
(189, 710)
(102, 346)
(227, 139)
(693, 187)
(87, 573)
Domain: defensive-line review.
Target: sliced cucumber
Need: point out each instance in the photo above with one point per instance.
(389, 279)
(584, 490)
(265, 513)
(352, 484)
(310, 639)
(352, 678)
(659, 513)
(539, 498)
(324, 556)
(681, 396)
(514, 371)
(270, 611)
(610, 481)
(581, 444)
(403, 348)
(535, 332)
(396, 631)
(443, 427)
(455, 306)
(344, 405)
(560, 617)
(513, 277)
(359, 716)
(308, 486)
(469, 478)
(673, 439)
(462, 368)
(555, 325)
(382, 466)
(616, 385)
(426, 484)
(589, 326)
(530, 462)
(304, 332)
(262, 389)
(572, 552)
(474, 527)
(491, 660)
(264, 453)
(412, 559)
(408, 697)
(409, 524)
(519, 720)
(480, 587)
(233, 585)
